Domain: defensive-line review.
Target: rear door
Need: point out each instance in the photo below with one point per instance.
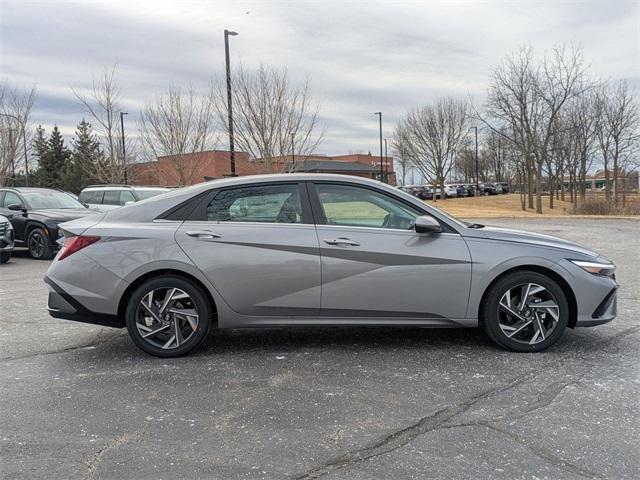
(374, 264)
(258, 246)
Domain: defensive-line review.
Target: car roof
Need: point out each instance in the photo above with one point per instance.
(31, 189)
(124, 187)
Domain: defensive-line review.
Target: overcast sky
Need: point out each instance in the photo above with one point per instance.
(361, 57)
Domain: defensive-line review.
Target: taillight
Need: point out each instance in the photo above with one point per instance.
(72, 244)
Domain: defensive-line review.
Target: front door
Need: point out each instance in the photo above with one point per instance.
(258, 246)
(374, 264)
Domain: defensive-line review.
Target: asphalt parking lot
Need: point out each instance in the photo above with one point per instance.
(81, 402)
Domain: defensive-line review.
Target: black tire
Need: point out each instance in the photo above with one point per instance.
(489, 316)
(4, 257)
(200, 302)
(38, 245)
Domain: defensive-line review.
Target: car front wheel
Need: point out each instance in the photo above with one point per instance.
(38, 244)
(525, 312)
(168, 316)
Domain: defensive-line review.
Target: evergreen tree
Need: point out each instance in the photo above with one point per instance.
(40, 150)
(53, 161)
(84, 159)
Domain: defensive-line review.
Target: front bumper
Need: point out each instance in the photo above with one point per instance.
(606, 311)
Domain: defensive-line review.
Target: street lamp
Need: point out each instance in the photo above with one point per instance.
(24, 144)
(124, 151)
(381, 169)
(386, 165)
(232, 153)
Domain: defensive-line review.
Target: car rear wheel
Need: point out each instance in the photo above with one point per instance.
(38, 245)
(525, 312)
(168, 316)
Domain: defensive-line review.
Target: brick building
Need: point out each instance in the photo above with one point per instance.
(191, 168)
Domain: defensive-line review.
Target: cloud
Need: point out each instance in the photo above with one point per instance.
(360, 57)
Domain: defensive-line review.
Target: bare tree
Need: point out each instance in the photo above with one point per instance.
(525, 99)
(618, 120)
(274, 121)
(102, 103)
(175, 123)
(15, 108)
(433, 134)
(400, 148)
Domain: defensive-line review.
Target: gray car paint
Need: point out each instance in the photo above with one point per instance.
(268, 274)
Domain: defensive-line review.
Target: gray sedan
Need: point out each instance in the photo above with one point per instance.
(317, 250)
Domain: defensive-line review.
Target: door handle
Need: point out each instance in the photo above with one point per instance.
(341, 241)
(204, 234)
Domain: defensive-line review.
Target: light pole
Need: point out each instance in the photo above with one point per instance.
(124, 151)
(24, 144)
(386, 165)
(232, 153)
(381, 169)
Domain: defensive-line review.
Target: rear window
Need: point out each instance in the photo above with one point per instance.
(144, 194)
(94, 197)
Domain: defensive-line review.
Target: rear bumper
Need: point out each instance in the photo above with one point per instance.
(62, 305)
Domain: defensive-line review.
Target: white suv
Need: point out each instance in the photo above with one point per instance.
(108, 197)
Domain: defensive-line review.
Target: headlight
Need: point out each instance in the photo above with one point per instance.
(597, 268)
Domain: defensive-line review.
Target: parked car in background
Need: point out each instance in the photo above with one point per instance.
(450, 191)
(107, 197)
(498, 188)
(174, 267)
(488, 189)
(6, 239)
(462, 190)
(505, 186)
(423, 192)
(35, 214)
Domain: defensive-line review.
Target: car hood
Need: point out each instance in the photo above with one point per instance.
(520, 236)
(62, 214)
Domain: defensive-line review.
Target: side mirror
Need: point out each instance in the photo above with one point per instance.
(427, 224)
(15, 207)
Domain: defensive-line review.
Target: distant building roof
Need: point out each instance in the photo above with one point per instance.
(317, 165)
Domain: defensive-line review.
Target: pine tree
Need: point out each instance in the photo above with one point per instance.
(41, 150)
(84, 159)
(52, 160)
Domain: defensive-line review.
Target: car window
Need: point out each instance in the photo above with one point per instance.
(91, 196)
(10, 198)
(362, 207)
(143, 194)
(268, 203)
(50, 199)
(126, 196)
(111, 197)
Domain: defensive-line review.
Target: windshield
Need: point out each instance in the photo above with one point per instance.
(144, 194)
(50, 199)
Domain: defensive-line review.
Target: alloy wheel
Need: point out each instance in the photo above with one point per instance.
(528, 313)
(36, 245)
(167, 318)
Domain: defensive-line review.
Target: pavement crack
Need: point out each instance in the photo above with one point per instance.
(98, 340)
(402, 437)
(93, 463)
(544, 453)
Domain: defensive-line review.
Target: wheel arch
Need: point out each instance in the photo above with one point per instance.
(562, 283)
(126, 295)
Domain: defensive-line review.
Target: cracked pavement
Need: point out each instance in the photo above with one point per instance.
(81, 402)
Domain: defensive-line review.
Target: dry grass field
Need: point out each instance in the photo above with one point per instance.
(504, 206)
